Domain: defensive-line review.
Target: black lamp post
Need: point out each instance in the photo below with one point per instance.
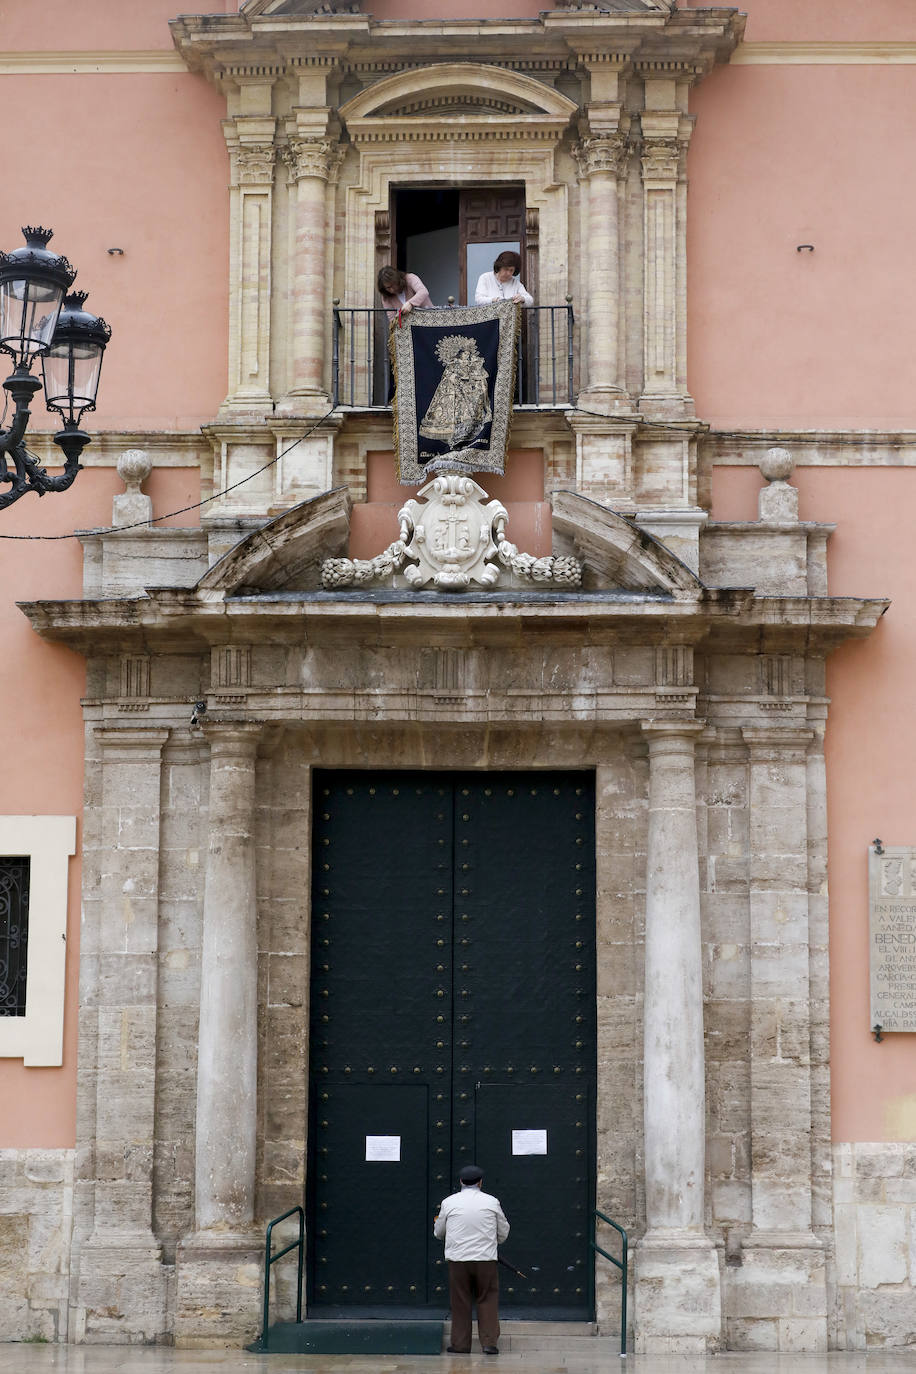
(37, 320)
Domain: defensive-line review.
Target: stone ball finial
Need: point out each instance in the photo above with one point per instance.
(134, 466)
(776, 465)
(131, 507)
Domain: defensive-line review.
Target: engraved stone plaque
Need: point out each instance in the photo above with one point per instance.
(892, 937)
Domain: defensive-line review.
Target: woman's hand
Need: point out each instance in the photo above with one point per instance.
(406, 308)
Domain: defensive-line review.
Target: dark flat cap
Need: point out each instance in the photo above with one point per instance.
(470, 1174)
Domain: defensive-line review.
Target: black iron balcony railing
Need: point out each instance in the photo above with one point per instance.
(362, 368)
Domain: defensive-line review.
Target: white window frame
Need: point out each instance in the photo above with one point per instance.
(48, 843)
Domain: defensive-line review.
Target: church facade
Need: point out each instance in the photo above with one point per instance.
(382, 875)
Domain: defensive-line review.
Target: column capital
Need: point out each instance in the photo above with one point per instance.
(660, 159)
(252, 152)
(313, 157)
(779, 743)
(232, 736)
(662, 733)
(601, 153)
(131, 740)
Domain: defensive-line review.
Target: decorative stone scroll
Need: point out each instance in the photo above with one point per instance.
(452, 537)
(892, 936)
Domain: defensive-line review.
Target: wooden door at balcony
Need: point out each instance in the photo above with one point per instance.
(449, 235)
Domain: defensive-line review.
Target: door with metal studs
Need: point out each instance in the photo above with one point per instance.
(452, 1021)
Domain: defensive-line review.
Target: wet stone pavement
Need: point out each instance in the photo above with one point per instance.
(600, 1358)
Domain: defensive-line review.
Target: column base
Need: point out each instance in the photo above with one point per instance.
(122, 1292)
(218, 1289)
(609, 400)
(776, 1298)
(677, 1295)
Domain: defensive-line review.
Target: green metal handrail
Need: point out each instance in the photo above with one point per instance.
(620, 1264)
(270, 1259)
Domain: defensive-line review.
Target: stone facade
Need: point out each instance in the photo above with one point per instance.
(687, 671)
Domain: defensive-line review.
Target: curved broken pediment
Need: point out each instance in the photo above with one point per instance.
(454, 84)
(289, 553)
(617, 555)
(285, 555)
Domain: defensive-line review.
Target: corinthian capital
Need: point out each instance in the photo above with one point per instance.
(660, 159)
(313, 157)
(604, 154)
(254, 164)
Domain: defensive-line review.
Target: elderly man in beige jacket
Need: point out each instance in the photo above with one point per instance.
(472, 1224)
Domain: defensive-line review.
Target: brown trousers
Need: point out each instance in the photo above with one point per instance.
(473, 1282)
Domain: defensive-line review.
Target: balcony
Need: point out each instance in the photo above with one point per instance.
(362, 369)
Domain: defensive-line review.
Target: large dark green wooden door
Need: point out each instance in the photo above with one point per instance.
(452, 1020)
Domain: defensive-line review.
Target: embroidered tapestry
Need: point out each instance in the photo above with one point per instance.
(454, 374)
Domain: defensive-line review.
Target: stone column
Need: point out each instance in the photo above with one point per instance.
(121, 1285)
(783, 1270)
(678, 1307)
(228, 1030)
(250, 140)
(223, 1251)
(602, 160)
(314, 158)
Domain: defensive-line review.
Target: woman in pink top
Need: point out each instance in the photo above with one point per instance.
(401, 291)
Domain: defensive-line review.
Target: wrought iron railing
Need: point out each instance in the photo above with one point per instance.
(621, 1264)
(362, 368)
(271, 1259)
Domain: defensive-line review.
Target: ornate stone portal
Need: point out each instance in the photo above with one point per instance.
(664, 687)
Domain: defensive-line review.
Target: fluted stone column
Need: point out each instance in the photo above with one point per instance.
(224, 1250)
(601, 161)
(678, 1306)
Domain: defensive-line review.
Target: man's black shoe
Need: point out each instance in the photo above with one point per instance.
(490, 1350)
(453, 1350)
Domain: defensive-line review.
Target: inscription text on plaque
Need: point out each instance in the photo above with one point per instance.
(892, 937)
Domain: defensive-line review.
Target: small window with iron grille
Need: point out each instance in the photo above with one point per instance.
(14, 934)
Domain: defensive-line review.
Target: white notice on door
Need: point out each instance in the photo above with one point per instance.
(384, 1147)
(529, 1142)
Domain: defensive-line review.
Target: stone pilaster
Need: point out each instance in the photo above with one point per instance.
(120, 1293)
(250, 139)
(224, 1249)
(602, 164)
(313, 160)
(783, 1272)
(665, 136)
(678, 1305)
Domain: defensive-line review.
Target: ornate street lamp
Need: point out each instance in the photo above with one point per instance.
(70, 343)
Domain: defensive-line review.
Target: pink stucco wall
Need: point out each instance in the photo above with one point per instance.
(784, 156)
(41, 685)
(136, 162)
(83, 26)
(823, 21)
(871, 756)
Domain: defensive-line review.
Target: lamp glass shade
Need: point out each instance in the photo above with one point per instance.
(71, 369)
(29, 309)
